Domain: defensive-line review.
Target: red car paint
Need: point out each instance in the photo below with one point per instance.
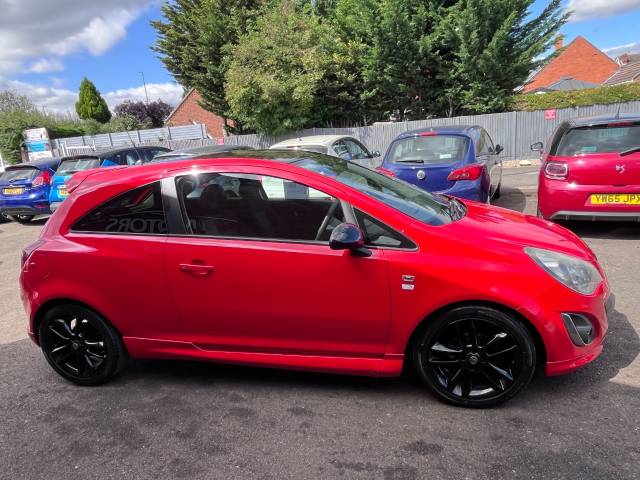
(301, 305)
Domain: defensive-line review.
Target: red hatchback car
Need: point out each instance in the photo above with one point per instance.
(591, 170)
(303, 261)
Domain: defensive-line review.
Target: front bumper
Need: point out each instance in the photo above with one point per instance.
(560, 200)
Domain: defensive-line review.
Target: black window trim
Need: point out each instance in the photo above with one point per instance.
(394, 230)
(72, 231)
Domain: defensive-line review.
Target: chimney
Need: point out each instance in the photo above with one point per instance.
(624, 59)
(559, 42)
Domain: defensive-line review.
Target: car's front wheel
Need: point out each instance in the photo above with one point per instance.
(80, 345)
(474, 356)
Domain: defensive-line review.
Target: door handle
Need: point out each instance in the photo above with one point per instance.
(196, 269)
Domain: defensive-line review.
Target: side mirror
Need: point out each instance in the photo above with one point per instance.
(348, 236)
(498, 149)
(537, 147)
(375, 154)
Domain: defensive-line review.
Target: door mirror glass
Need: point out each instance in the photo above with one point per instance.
(348, 236)
(537, 147)
(375, 154)
(498, 150)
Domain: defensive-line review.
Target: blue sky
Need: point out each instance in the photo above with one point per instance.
(109, 41)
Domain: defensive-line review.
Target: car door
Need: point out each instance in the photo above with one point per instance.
(486, 156)
(250, 272)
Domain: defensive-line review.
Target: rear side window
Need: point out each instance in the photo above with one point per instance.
(71, 166)
(429, 149)
(136, 212)
(613, 138)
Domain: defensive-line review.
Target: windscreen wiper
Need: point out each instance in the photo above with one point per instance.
(629, 151)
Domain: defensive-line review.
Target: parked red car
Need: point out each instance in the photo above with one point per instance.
(303, 261)
(591, 170)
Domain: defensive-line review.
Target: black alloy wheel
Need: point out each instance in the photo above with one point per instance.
(80, 345)
(475, 356)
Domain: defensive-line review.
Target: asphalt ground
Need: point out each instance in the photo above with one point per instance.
(168, 420)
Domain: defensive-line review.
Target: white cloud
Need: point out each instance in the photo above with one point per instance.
(620, 49)
(592, 9)
(45, 65)
(36, 29)
(62, 100)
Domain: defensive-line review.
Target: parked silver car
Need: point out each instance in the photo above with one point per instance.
(341, 146)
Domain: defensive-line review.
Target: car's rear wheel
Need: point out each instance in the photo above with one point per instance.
(474, 356)
(23, 218)
(80, 345)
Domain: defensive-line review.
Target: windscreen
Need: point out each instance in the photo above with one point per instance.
(613, 138)
(415, 202)
(429, 149)
(20, 173)
(71, 166)
(310, 148)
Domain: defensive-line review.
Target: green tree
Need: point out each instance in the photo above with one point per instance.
(90, 104)
(192, 42)
(276, 71)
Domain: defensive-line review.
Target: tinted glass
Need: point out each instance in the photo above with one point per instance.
(429, 149)
(380, 235)
(598, 139)
(426, 207)
(357, 151)
(22, 173)
(138, 211)
(71, 166)
(252, 206)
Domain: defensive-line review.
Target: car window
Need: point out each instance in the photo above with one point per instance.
(309, 148)
(138, 211)
(130, 157)
(488, 142)
(19, 173)
(485, 145)
(115, 159)
(378, 234)
(73, 165)
(429, 149)
(256, 206)
(357, 151)
(404, 197)
(598, 139)
(340, 147)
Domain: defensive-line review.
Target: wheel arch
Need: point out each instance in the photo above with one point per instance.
(54, 302)
(541, 352)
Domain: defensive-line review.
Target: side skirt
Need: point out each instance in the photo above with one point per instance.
(388, 366)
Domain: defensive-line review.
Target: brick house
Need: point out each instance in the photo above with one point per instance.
(189, 112)
(579, 61)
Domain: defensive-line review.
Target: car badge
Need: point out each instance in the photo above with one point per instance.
(421, 174)
(620, 169)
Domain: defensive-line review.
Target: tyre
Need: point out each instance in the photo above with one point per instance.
(4, 218)
(474, 356)
(498, 191)
(80, 345)
(24, 219)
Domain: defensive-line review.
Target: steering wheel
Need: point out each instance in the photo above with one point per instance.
(327, 218)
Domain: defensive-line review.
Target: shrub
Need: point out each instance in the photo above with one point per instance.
(578, 98)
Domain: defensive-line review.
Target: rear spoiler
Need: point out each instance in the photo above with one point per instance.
(78, 178)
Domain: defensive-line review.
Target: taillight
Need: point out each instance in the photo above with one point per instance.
(472, 172)
(556, 170)
(385, 171)
(43, 179)
(28, 251)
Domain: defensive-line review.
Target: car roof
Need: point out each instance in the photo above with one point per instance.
(442, 130)
(40, 164)
(603, 119)
(312, 140)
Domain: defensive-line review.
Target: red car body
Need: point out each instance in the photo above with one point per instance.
(301, 305)
(590, 184)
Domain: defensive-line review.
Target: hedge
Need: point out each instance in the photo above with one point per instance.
(578, 98)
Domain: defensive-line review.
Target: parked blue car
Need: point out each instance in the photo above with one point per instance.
(460, 161)
(24, 189)
(110, 158)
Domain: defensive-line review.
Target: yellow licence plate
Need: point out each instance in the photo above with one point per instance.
(615, 199)
(13, 191)
(63, 192)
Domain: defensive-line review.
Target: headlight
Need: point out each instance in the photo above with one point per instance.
(576, 274)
